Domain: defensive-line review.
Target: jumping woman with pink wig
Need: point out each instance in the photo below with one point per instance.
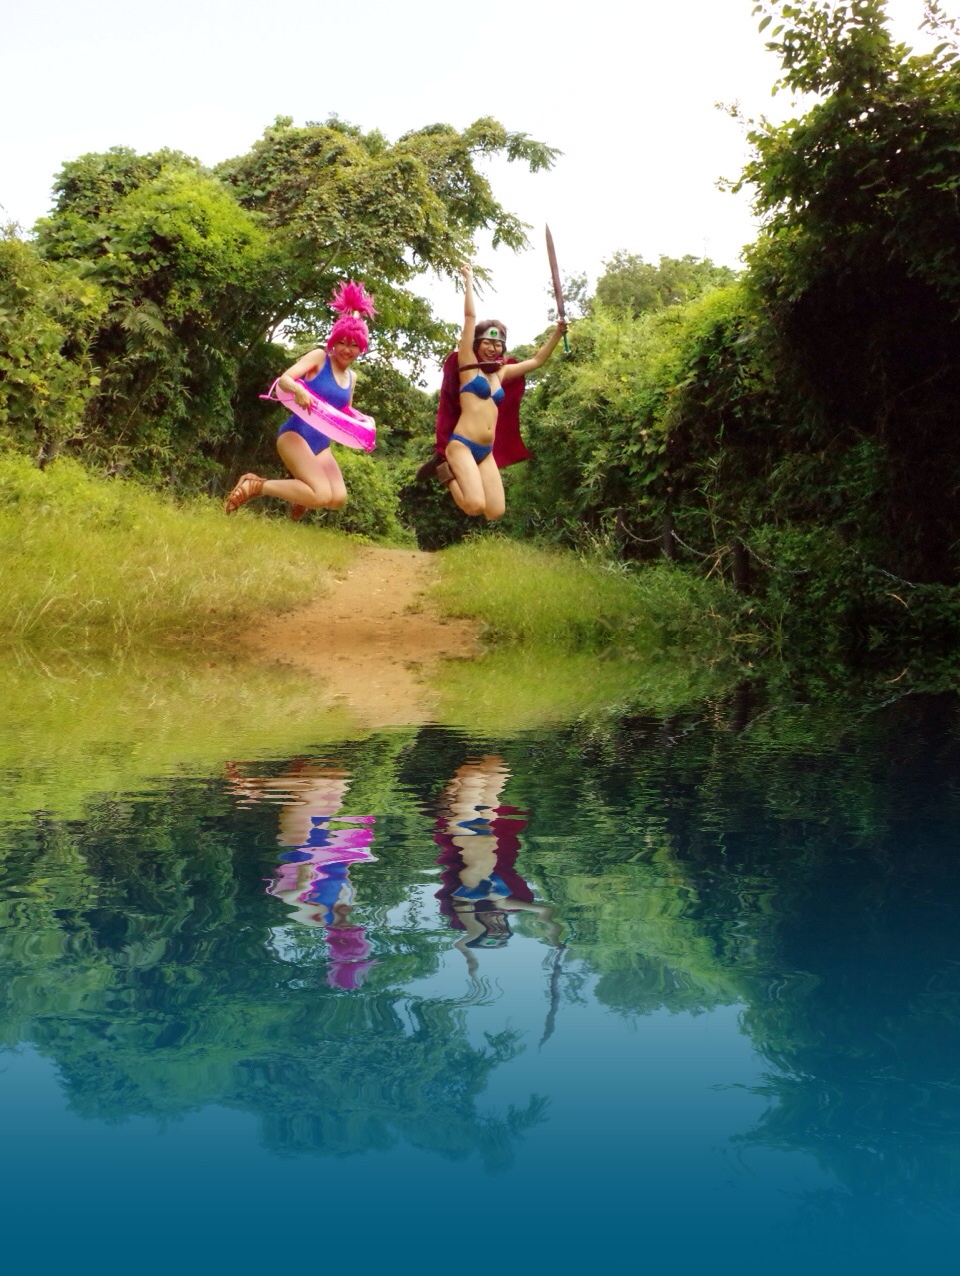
(317, 482)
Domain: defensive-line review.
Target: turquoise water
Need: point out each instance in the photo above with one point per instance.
(676, 995)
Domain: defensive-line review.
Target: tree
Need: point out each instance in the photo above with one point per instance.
(869, 175)
(183, 268)
(206, 273)
(48, 317)
(797, 430)
(857, 268)
(629, 283)
(340, 201)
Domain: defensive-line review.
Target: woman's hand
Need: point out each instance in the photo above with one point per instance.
(302, 395)
(469, 313)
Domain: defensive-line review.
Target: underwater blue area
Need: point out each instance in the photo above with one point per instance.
(674, 996)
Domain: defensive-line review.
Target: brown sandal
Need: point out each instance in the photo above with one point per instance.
(297, 512)
(249, 486)
(444, 473)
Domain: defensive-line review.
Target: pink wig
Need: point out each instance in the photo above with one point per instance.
(352, 300)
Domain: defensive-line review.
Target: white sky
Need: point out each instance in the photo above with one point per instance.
(627, 92)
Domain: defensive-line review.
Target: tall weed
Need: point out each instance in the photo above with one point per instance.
(525, 594)
(103, 563)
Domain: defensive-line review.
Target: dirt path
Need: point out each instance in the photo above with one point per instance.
(373, 640)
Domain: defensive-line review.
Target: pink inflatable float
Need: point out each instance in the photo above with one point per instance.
(343, 425)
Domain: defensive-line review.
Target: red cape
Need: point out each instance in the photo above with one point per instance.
(508, 446)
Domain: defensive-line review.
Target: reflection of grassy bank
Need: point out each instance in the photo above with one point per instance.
(516, 688)
(73, 730)
(105, 564)
(111, 727)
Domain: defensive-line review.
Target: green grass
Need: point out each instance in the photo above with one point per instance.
(522, 594)
(104, 564)
(522, 687)
(72, 729)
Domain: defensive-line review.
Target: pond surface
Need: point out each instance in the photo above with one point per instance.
(675, 994)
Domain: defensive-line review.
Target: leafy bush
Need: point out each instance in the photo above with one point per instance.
(613, 428)
(372, 501)
(48, 316)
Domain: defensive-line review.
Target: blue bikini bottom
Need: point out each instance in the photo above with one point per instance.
(477, 450)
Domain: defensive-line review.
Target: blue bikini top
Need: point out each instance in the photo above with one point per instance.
(480, 386)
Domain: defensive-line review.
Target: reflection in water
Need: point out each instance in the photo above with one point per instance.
(759, 973)
(479, 842)
(313, 877)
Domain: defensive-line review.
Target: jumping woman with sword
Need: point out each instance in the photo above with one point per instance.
(469, 468)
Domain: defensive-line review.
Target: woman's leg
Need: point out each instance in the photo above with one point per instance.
(466, 486)
(495, 503)
(317, 482)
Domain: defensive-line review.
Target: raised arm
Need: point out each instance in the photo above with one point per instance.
(511, 370)
(465, 349)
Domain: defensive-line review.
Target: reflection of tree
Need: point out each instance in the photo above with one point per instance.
(801, 863)
(323, 1073)
(792, 860)
(138, 957)
(367, 1081)
(798, 862)
(863, 1026)
(867, 1044)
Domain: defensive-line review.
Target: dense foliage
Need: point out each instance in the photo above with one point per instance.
(790, 429)
(179, 293)
(794, 430)
(48, 317)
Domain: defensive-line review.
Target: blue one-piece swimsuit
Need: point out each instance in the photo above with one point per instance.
(325, 386)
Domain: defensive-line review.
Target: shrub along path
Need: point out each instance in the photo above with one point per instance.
(373, 641)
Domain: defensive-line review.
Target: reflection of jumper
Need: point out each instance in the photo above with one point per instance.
(503, 883)
(317, 872)
(315, 879)
(325, 386)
